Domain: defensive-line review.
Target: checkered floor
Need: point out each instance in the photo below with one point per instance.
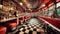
(30, 29)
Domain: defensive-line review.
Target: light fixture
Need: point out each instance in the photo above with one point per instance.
(43, 5)
(11, 8)
(39, 10)
(29, 9)
(1, 6)
(21, 3)
(29, 6)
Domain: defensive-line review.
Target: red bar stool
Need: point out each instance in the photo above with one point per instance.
(25, 18)
(3, 30)
(28, 17)
(21, 20)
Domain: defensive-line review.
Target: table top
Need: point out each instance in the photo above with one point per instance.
(4, 20)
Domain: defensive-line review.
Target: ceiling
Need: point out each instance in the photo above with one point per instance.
(33, 5)
(30, 5)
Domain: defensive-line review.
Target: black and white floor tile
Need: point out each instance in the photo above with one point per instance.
(30, 29)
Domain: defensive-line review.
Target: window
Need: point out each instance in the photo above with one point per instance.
(51, 10)
(46, 11)
(58, 9)
(58, 5)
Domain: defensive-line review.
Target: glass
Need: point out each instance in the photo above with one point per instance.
(58, 11)
(58, 5)
(51, 11)
(45, 13)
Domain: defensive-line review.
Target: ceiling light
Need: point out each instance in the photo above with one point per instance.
(25, 9)
(11, 8)
(21, 3)
(0, 6)
(43, 5)
(29, 9)
(39, 10)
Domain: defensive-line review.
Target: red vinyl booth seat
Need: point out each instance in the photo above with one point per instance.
(52, 21)
(28, 17)
(3, 30)
(12, 24)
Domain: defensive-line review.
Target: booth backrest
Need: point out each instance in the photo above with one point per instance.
(52, 21)
(13, 21)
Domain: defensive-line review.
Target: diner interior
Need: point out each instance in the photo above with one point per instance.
(29, 16)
